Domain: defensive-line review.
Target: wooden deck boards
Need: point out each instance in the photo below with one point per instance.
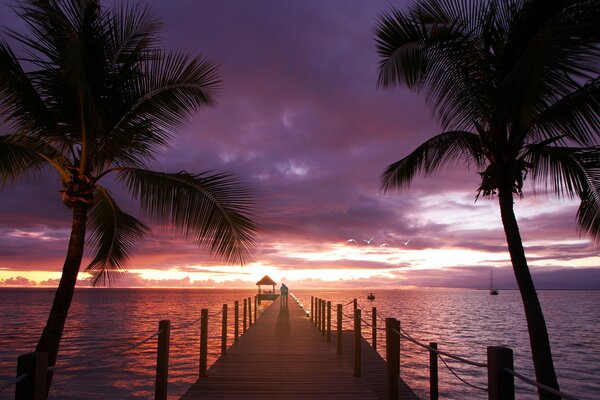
(283, 356)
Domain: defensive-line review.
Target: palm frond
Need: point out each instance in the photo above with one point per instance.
(588, 213)
(215, 210)
(571, 172)
(574, 172)
(435, 48)
(431, 155)
(133, 36)
(20, 103)
(20, 154)
(551, 48)
(576, 116)
(65, 43)
(400, 47)
(153, 103)
(112, 237)
(130, 40)
(171, 87)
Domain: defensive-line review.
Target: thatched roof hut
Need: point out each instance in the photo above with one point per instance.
(266, 280)
(267, 294)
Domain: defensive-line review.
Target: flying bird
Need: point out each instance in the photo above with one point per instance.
(383, 245)
(368, 241)
(407, 242)
(350, 241)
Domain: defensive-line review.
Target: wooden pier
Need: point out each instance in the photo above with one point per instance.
(283, 356)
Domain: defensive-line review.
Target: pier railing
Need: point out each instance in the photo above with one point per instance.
(32, 368)
(499, 366)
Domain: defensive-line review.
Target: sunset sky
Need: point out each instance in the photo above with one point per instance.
(301, 121)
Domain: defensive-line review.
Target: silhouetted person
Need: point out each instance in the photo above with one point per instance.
(283, 295)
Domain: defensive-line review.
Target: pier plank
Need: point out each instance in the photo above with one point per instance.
(283, 356)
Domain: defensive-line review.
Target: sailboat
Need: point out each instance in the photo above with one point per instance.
(493, 292)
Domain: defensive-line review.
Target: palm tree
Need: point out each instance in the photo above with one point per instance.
(96, 96)
(515, 86)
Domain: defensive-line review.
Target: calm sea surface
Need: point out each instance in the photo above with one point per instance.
(103, 322)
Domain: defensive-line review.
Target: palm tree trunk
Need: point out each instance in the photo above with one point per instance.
(51, 335)
(536, 325)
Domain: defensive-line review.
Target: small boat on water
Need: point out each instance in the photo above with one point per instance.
(493, 292)
(371, 296)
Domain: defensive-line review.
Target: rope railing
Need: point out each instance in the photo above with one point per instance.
(460, 378)
(180, 327)
(405, 335)
(370, 325)
(541, 386)
(363, 309)
(215, 313)
(439, 354)
(13, 382)
(55, 368)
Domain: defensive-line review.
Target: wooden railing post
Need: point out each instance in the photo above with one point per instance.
(433, 372)
(339, 329)
(162, 360)
(312, 309)
(399, 329)
(255, 307)
(319, 301)
(374, 327)
(318, 315)
(250, 311)
(224, 331)
(501, 384)
(357, 339)
(355, 302)
(320, 326)
(33, 387)
(203, 342)
(392, 348)
(328, 322)
(323, 316)
(245, 315)
(236, 317)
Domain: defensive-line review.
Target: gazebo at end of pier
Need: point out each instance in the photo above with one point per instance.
(266, 294)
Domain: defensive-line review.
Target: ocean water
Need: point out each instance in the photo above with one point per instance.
(104, 322)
